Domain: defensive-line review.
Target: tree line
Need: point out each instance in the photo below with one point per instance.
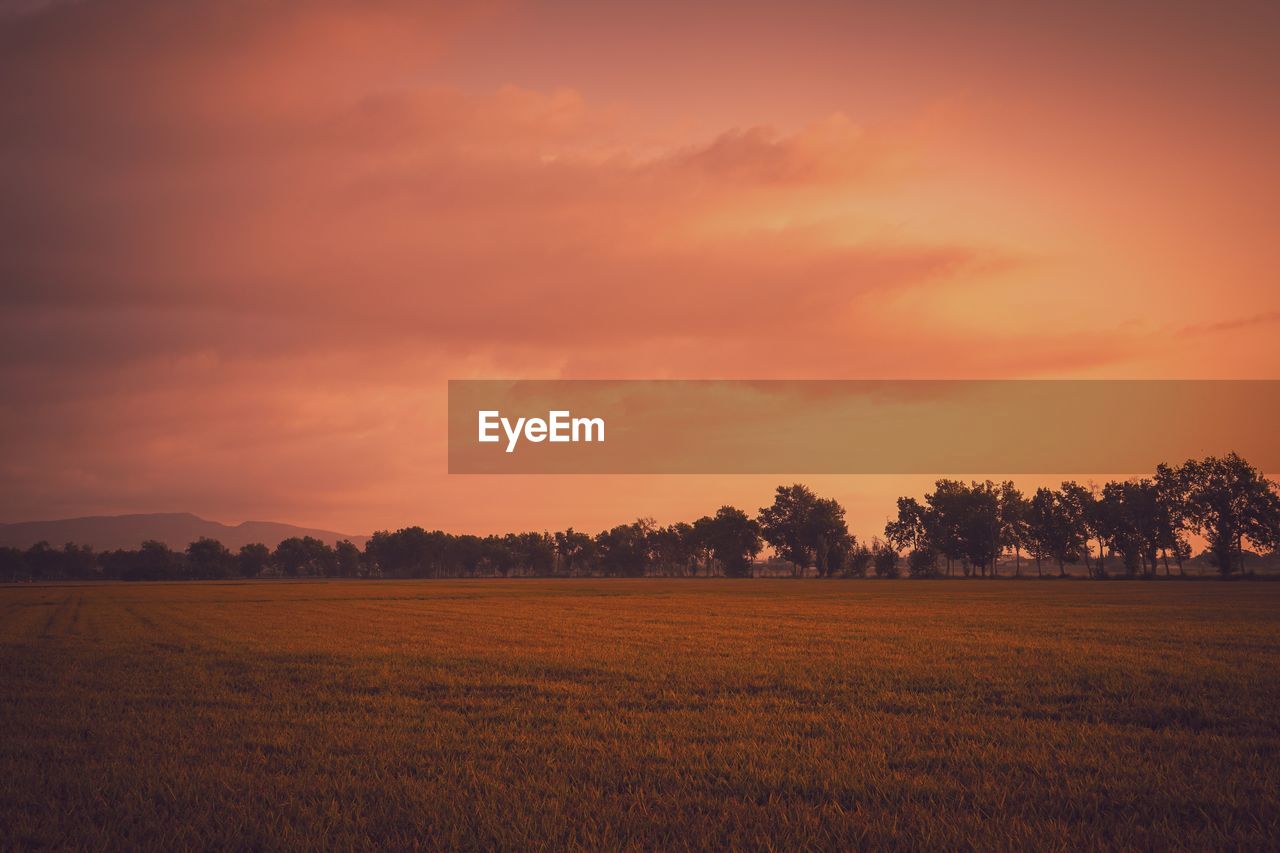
(1132, 528)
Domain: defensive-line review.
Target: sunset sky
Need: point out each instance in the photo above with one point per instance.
(244, 245)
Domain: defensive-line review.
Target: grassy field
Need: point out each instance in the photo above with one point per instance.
(607, 713)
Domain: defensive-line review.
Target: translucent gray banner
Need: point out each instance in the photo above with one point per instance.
(938, 427)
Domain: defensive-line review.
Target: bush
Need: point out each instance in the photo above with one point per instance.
(858, 562)
(886, 562)
(922, 563)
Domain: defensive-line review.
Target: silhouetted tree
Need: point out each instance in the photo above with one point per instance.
(572, 549)
(42, 561)
(885, 558)
(1053, 529)
(674, 548)
(1230, 503)
(1081, 507)
(623, 551)
(209, 559)
(922, 562)
(13, 564)
(733, 539)
(913, 528)
(1171, 496)
(803, 528)
(859, 561)
(979, 525)
(253, 559)
(347, 560)
(303, 556)
(1013, 522)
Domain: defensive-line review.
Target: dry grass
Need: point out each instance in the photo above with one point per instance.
(618, 713)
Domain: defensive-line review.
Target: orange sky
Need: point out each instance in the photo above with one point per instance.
(244, 244)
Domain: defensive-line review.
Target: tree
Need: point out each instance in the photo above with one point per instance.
(733, 540)
(1171, 497)
(674, 548)
(1081, 506)
(411, 552)
(463, 555)
(859, 561)
(885, 559)
(209, 559)
(913, 528)
(1230, 503)
(1116, 518)
(534, 553)
(499, 553)
(803, 528)
(922, 562)
(154, 561)
(1013, 521)
(947, 507)
(42, 561)
(253, 559)
(979, 525)
(572, 548)
(347, 559)
(304, 557)
(78, 562)
(624, 550)
(1054, 529)
(13, 564)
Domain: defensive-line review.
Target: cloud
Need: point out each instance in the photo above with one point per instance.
(242, 243)
(1264, 318)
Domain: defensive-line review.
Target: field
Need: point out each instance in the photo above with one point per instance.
(611, 713)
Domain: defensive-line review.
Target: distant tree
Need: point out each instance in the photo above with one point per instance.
(538, 553)
(154, 561)
(412, 552)
(253, 559)
(463, 555)
(624, 550)
(885, 559)
(1230, 503)
(304, 556)
(1137, 526)
(572, 549)
(500, 553)
(42, 561)
(979, 525)
(839, 554)
(733, 540)
(859, 561)
(1053, 529)
(913, 528)
(1117, 517)
(803, 528)
(13, 564)
(948, 505)
(674, 548)
(79, 562)
(831, 540)
(209, 559)
(1081, 509)
(922, 562)
(1013, 522)
(786, 525)
(347, 559)
(1171, 497)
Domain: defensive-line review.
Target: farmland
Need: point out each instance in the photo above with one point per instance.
(612, 713)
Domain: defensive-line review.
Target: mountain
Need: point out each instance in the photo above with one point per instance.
(175, 529)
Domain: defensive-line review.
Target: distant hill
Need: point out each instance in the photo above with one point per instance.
(175, 529)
